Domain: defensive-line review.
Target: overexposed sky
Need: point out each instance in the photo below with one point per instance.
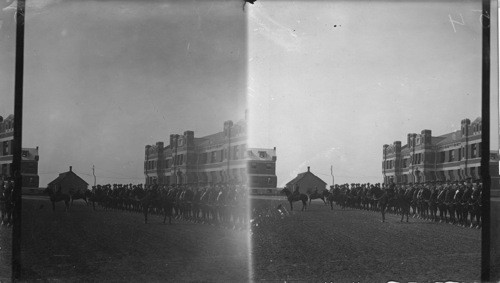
(330, 82)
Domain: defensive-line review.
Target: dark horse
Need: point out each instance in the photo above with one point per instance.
(80, 195)
(317, 195)
(298, 197)
(162, 201)
(329, 197)
(56, 197)
(404, 198)
(382, 197)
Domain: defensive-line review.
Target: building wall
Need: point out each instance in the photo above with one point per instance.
(29, 168)
(218, 158)
(449, 157)
(29, 160)
(261, 163)
(6, 141)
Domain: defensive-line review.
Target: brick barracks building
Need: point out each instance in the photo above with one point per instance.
(218, 158)
(29, 158)
(449, 157)
(261, 171)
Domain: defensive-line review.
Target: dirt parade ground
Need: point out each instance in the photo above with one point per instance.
(5, 253)
(116, 246)
(323, 245)
(316, 245)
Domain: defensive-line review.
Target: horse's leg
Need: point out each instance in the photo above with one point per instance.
(382, 209)
(169, 210)
(9, 215)
(164, 215)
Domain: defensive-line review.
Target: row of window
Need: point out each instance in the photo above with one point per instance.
(475, 128)
(236, 174)
(269, 166)
(450, 175)
(474, 151)
(237, 152)
(388, 164)
(444, 156)
(154, 164)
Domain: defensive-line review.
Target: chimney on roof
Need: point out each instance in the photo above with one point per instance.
(70, 168)
(308, 169)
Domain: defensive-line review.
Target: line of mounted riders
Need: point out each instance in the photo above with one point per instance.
(222, 204)
(458, 202)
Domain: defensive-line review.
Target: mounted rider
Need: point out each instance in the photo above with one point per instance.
(296, 192)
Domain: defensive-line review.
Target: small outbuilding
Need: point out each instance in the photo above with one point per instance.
(307, 182)
(69, 183)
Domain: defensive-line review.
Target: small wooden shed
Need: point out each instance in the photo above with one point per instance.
(69, 183)
(307, 182)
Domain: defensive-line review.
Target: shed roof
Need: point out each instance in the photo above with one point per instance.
(301, 176)
(62, 176)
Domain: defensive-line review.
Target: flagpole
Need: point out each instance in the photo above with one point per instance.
(333, 178)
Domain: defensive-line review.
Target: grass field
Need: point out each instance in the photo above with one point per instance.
(324, 245)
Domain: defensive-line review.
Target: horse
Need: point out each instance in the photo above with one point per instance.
(165, 203)
(423, 202)
(160, 200)
(433, 204)
(450, 205)
(404, 198)
(474, 208)
(295, 197)
(382, 197)
(329, 197)
(316, 195)
(79, 195)
(57, 197)
(443, 210)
